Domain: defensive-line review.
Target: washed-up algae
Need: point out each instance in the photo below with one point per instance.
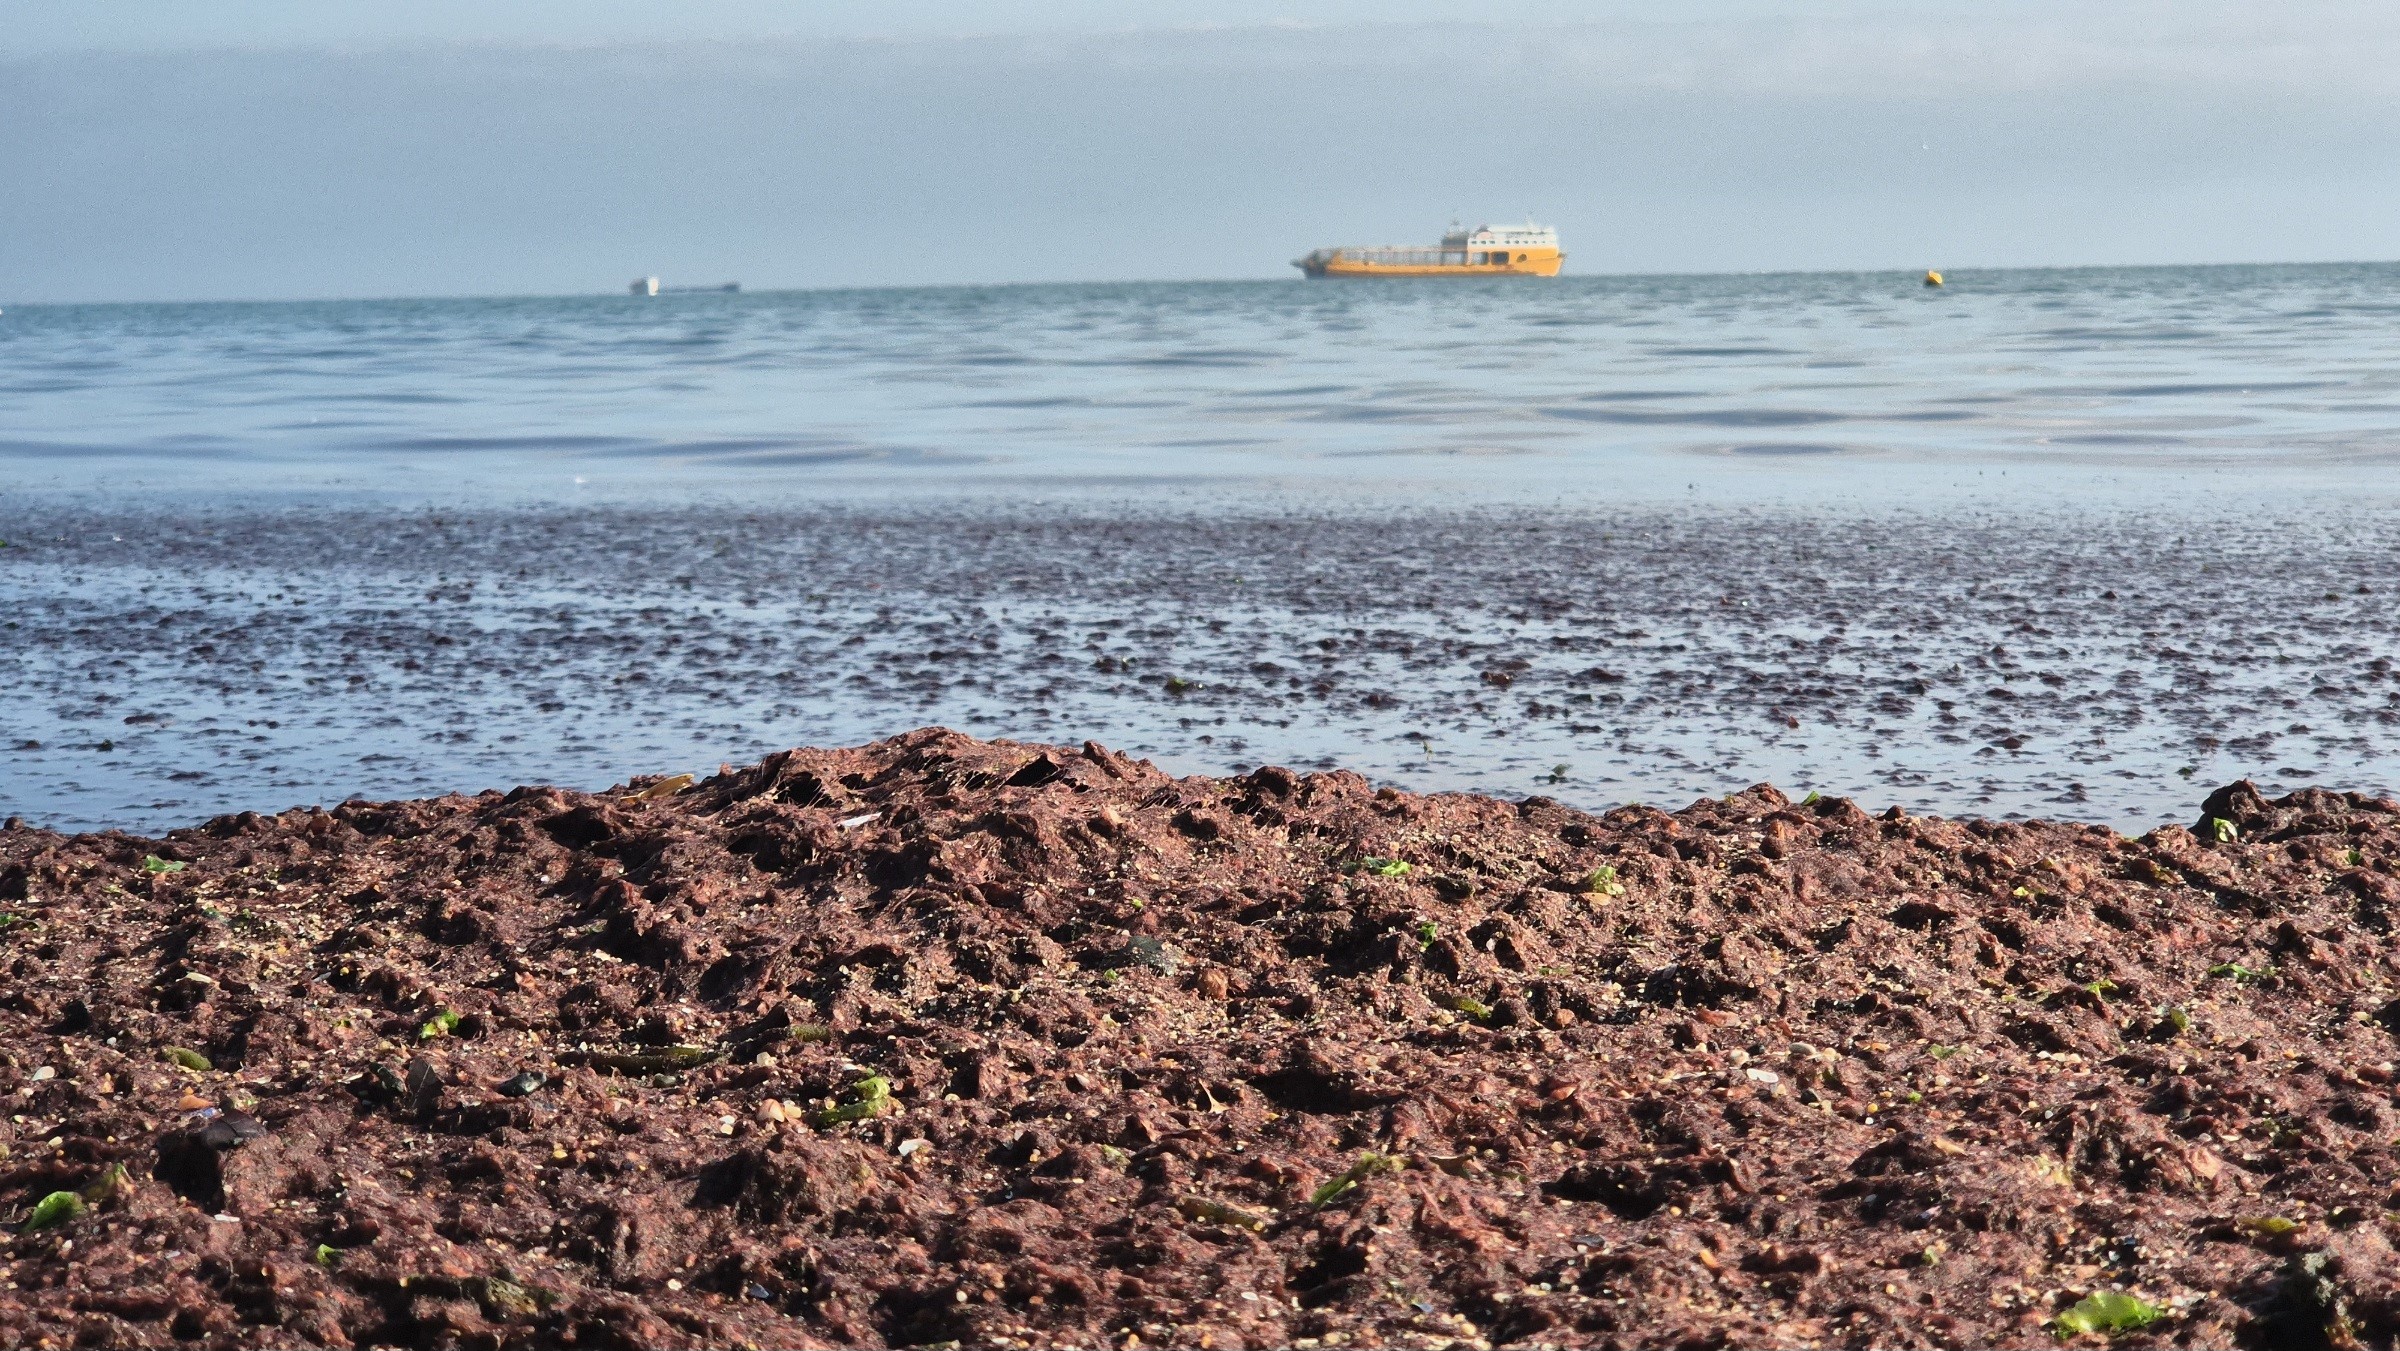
(939, 1040)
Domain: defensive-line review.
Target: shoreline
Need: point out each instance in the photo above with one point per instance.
(939, 1040)
(173, 664)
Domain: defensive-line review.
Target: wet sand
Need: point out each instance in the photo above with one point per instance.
(167, 664)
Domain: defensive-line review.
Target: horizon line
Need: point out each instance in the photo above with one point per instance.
(1949, 272)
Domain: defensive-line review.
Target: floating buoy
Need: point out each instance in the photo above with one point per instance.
(1933, 278)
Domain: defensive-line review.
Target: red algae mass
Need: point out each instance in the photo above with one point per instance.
(946, 1041)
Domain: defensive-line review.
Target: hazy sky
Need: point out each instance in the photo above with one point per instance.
(157, 149)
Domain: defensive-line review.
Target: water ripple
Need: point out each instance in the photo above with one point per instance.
(1596, 375)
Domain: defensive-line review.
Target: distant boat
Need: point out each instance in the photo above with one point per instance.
(648, 286)
(1526, 250)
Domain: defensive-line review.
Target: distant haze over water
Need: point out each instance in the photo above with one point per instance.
(268, 149)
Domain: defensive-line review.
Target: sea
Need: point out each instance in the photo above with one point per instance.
(2081, 542)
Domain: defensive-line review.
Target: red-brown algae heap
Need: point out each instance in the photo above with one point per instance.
(940, 1040)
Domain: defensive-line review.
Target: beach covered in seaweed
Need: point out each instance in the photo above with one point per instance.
(941, 1041)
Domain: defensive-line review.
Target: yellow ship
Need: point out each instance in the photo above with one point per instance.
(1526, 250)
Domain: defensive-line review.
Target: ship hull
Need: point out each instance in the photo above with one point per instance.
(1344, 268)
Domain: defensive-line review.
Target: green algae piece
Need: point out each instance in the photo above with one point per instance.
(1368, 1164)
(53, 1210)
(504, 1298)
(869, 1098)
(2107, 1311)
(1602, 880)
(111, 1184)
(190, 1059)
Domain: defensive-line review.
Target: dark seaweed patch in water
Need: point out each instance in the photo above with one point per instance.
(1396, 452)
(1208, 357)
(1721, 417)
(1296, 392)
(473, 444)
(2076, 336)
(1789, 448)
(401, 399)
(66, 450)
(2174, 391)
(1362, 412)
(838, 455)
(2117, 439)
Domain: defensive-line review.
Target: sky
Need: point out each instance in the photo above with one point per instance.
(155, 149)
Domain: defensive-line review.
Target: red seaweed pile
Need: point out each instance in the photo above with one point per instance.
(946, 1041)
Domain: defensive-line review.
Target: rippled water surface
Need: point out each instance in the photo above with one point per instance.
(1516, 381)
(2062, 543)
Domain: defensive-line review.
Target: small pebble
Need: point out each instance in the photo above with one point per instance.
(44, 1073)
(770, 1111)
(230, 1130)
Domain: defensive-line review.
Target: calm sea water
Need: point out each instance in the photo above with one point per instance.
(2074, 543)
(1512, 385)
